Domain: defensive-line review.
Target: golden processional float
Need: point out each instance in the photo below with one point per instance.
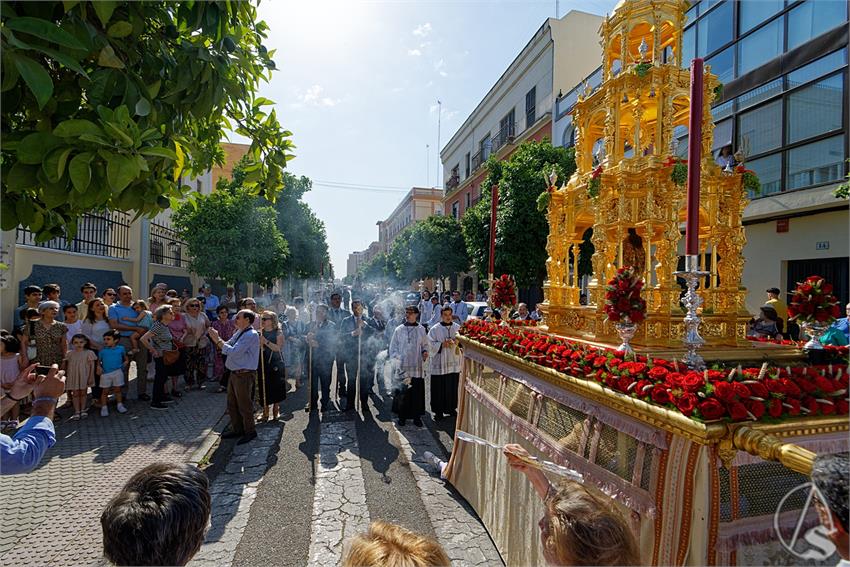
(708, 465)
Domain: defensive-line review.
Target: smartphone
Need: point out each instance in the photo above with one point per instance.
(42, 369)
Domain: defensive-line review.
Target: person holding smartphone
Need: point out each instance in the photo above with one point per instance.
(23, 452)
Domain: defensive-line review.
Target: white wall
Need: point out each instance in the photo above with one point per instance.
(532, 68)
(767, 252)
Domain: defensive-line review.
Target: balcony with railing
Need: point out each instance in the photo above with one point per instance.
(504, 136)
(452, 182)
(104, 234)
(167, 248)
(565, 104)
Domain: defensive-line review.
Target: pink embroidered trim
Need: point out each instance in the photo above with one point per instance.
(606, 481)
(618, 421)
(757, 530)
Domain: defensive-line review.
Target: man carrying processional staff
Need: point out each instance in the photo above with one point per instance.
(356, 333)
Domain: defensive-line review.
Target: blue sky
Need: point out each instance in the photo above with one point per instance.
(357, 84)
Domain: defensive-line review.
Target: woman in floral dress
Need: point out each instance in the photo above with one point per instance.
(49, 335)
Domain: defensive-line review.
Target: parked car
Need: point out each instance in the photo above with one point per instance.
(476, 309)
(411, 298)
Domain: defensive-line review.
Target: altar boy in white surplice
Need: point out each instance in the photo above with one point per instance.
(445, 364)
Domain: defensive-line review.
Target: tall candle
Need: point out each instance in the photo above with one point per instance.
(494, 203)
(694, 157)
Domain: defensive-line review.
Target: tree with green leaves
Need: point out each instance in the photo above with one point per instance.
(521, 228)
(433, 247)
(107, 104)
(379, 269)
(232, 235)
(304, 232)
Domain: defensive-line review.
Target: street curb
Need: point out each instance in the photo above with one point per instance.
(209, 441)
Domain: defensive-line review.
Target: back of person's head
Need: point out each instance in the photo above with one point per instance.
(159, 517)
(388, 545)
(829, 475)
(11, 343)
(585, 530)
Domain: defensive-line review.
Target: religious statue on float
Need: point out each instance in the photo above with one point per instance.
(631, 137)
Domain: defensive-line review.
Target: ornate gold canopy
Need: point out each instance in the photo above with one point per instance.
(625, 140)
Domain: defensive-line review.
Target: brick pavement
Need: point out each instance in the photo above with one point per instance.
(51, 516)
(233, 493)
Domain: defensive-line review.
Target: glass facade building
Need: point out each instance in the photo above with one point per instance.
(783, 64)
(785, 98)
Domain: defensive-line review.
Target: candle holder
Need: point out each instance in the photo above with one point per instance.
(692, 339)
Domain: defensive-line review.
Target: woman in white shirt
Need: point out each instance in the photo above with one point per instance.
(196, 343)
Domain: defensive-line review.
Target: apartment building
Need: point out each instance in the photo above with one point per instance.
(785, 106)
(518, 107)
(419, 204)
(355, 260)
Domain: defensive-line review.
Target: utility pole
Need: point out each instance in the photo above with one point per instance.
(428, 165)
(439, 119)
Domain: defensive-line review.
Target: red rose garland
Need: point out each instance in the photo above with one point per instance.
(812, 302)
(738, 394)
(622, 296)
(504, 292)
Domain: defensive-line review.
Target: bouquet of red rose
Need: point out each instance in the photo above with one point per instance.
(504, 292)
(812, 302)
(622, 297)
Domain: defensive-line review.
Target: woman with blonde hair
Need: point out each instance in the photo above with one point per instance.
(577, 528)
(273, 389)
(388, 545)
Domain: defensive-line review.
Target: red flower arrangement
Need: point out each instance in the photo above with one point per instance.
(812, 302)
(749, 179)
(765, 393)
(521, 323)
(595, 182)
(622, 297)
(504, 292)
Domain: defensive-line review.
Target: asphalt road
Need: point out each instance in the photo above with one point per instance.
(282, 520)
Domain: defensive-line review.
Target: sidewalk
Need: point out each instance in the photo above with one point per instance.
(52, 515)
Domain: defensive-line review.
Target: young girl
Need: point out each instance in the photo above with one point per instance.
(11, 364)
(79, 373)
(143, 319)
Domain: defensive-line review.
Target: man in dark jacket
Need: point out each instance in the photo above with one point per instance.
(357, 334)
(322, 337)
(336, 315)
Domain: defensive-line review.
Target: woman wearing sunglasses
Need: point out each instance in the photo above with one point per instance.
(274, 376)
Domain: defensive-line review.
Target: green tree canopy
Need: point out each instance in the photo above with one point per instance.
(232, 235)
(106, 104)
(521, 229)
(379, 269)
(430, 248)
(304, 232)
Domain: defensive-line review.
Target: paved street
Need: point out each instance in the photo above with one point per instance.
(291, 497)
(326, 480)
(52, 515)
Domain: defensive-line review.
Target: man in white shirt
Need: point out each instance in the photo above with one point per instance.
(460, 311)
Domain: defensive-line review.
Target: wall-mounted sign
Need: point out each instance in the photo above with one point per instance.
(822, 245)
(782, 225)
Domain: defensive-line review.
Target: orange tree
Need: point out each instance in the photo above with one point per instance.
(106, 104)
